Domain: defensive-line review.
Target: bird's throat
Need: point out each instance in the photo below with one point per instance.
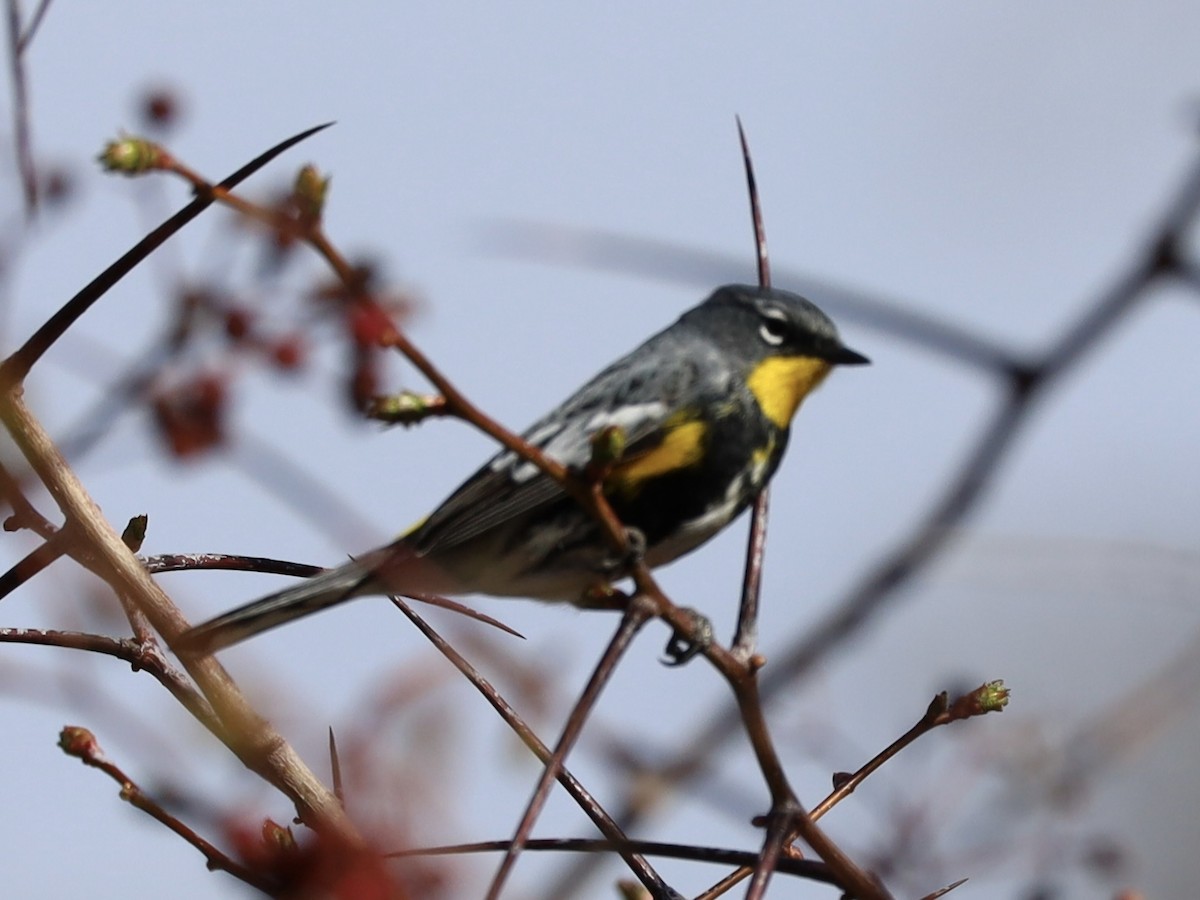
(779, 383)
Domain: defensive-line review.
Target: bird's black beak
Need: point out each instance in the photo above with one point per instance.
(844, 356)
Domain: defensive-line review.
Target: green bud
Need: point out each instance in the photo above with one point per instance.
(309, 192)
(131, 156)
(608, 445)
(992, 696)
(406, 408)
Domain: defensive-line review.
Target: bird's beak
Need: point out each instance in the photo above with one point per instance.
(844, 356)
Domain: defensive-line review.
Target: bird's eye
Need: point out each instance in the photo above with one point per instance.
(774, 328)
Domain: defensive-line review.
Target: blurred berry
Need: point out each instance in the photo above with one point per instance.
(238, 323)
(289, 353)
(159, 108)
(370, 326)
(57, 186)
(191, 416)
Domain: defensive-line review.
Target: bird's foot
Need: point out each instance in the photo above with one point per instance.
(686, 645)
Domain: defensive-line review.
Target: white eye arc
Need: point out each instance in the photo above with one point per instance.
(774, 327)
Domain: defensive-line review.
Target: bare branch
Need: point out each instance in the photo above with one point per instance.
(22, 136)
(17, 366)
(637, 613)
(82, 744)
(578, 792)
(142, 657)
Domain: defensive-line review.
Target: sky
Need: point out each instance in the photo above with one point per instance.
(993, 165)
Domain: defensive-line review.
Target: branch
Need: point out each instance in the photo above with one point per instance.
(142, 657)
(22, 137)
(637, 864)
(805, 868)
(99, 546)
(17, 366)
(82, 744)
(637, 613)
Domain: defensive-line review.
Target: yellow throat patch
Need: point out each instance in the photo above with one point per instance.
(779, 383)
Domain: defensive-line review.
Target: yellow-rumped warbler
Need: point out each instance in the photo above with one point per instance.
(704, 408)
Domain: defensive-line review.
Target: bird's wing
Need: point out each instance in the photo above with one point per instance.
(509, 487)
(641, 403)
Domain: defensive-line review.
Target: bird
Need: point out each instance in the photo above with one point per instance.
(703, 410)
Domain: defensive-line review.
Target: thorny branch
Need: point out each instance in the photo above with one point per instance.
(635, 860)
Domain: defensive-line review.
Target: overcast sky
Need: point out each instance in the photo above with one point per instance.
(993, 164)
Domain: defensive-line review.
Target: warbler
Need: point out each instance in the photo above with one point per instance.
(703, 408)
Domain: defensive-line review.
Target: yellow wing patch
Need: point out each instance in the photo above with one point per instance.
(681, 448)
(779, 383)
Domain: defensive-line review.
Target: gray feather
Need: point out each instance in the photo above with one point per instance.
(331, 587)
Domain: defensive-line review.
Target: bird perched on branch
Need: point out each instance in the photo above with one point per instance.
(702, 411)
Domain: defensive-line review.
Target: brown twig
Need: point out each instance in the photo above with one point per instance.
(232, 562)
(16, 367)
(636, 862)
(762, 258)
(463, 610)
(990, 697)
(22, 135)
(779, 825)
(637, 612)
(35, 22)
(227, 562)
(32, 563)
(746, 635)
(142, 657)
(82, 744)
(24, 514)
(812, 870)
(942, 892)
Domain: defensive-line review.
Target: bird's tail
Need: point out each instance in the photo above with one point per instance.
(331, 587)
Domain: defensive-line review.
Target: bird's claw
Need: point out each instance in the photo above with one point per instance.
(684, 646)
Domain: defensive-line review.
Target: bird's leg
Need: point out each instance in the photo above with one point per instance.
(616, 565)
(602, 594)
(635, 547)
